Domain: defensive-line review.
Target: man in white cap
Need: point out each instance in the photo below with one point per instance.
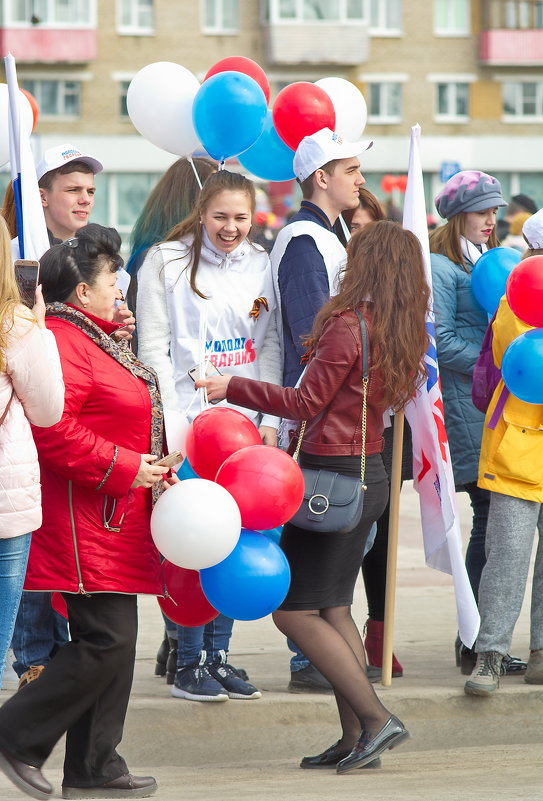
(306, 259)
(66, 182)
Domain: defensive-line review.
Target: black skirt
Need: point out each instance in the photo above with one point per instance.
(324, 567)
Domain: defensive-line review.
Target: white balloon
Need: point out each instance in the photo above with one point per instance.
(349, 105)
(196, 523)
(26, 120)
(159, 102)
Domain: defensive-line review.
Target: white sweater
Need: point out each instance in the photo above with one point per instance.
(33, 371)
(177, 328)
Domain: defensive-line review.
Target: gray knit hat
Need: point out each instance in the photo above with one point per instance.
(469, 190)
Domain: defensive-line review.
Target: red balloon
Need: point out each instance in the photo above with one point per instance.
(245, 65)
(388, 183)
(266, 483)
(59, 604)
(302, 109)
(215, 435)
(186, 604)
(401, 182)
(524, 290)
(34, 106)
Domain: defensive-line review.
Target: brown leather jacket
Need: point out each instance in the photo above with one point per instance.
(329, 396)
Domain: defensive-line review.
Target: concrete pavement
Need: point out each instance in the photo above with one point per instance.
(461, 748)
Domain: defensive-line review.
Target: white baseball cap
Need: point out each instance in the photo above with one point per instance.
(533, 230)
(55, 157)
(320, 148)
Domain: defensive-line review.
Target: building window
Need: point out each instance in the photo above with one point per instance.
(385, 16)
(135, 17)
(221, 16)
(123, 91)
(55, 98)
(315, 10)
(51, 12)
(385, 103)
(452, 102)
(451, 17)
(523, 101)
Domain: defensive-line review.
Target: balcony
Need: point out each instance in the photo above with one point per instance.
(337, 43)
(45, 45)
(512, 33)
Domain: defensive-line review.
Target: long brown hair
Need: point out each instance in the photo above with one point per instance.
(8, 210)
(385, 275)
(222, 181)
(9, 291)
(445, 239)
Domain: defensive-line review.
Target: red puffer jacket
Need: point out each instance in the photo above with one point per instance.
(330, 394)
(95, 535)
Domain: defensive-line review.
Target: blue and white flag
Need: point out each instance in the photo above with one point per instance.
(432, 468)
(31, 228)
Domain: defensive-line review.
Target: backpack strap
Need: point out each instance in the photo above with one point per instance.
(498, 409)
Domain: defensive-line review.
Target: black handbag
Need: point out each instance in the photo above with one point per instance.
(333, 503)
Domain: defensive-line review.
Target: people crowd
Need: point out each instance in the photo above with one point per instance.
(331, 326)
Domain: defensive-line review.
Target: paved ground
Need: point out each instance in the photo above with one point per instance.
(462, 748)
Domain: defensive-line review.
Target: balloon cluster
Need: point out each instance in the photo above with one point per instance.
(210, 526)
(389, 183)
(228, 114)
(522, 363)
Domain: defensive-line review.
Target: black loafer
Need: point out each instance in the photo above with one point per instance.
(27, 778)
(126, 786)
(368, 747)
(330, 758)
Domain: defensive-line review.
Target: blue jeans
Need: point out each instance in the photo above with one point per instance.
(211, 638)
(39, 631)
(13, 559)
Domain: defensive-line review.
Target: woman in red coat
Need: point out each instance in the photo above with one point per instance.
(384, 281)
(94, 545)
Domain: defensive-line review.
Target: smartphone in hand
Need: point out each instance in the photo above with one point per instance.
(26, 275)
(211, 370)
(176, 457)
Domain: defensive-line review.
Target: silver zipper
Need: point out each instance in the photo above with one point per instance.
(80, 588)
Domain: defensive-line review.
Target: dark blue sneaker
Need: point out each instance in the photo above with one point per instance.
(232, 682)
(196, 683)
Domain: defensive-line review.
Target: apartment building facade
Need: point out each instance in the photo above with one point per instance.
(470, 72)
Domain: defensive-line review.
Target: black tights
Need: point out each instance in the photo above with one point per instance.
(331, 641)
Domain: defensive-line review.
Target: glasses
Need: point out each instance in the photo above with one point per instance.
(71, 243)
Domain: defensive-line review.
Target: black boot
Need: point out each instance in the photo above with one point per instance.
(162, 656)
(171, 663)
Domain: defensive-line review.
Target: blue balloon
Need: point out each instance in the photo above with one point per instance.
(490, 275)
(186, 471)
(251, 582)
(273, 533)
(269, 158)
(229, 114)
(522, 366)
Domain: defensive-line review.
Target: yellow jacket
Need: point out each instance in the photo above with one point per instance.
(511, 460)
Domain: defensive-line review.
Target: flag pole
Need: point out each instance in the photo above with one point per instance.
(392, 552)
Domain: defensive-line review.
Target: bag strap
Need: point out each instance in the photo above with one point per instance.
(365, 382)
(6, 410)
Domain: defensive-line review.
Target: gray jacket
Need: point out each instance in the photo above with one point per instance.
(460, 327)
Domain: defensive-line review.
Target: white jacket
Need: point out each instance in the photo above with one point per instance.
(177, 328)
(32, 369)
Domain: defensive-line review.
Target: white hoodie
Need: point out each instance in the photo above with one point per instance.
(177, 328)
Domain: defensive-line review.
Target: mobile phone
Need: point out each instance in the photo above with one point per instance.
(211, 370)
(26, 275)
(170, 460)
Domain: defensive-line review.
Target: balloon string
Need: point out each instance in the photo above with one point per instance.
(195, 171)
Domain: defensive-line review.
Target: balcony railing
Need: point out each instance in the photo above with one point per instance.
(316, 43)
(49, 45)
